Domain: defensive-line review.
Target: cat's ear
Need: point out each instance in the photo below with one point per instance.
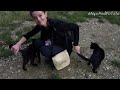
(10, 46)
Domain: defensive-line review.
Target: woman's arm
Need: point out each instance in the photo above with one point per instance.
(75, 30)
(25, 37)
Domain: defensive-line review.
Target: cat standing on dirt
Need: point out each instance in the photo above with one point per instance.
(96, 58)
(29, 54)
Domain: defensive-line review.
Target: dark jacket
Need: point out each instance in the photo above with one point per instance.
(61, 33)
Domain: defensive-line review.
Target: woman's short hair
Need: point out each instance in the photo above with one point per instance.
(33, 11)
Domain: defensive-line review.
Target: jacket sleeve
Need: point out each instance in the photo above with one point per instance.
(32, 32)
(75, 32)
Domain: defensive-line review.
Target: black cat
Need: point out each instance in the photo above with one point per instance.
(96, 58)
(29, 54)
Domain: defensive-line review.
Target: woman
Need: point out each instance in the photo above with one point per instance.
(56, 35)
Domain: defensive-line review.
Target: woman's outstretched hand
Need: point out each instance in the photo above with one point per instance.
(77, 49)
(15, 48)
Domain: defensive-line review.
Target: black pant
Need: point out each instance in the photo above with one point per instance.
(47, 51)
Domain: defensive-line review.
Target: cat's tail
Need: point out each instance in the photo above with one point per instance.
(83, 57)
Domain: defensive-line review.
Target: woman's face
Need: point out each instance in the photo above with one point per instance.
(40, 17)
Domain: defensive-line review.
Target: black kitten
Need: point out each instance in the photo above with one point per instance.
(29, 54)
(96, 58)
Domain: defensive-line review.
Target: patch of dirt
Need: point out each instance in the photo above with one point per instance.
(107, 35)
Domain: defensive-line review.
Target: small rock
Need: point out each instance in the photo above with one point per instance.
(19, 70)
(107, 68)
(11, 68)
(69, 69)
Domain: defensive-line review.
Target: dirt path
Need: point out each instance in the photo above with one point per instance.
(105, 34)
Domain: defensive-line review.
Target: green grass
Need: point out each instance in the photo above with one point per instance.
(115, 63)
(5, 52)
(55, 76)
(5, 36)
(81, 16)
(75, 16)
(113, 19)
(7, 17)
